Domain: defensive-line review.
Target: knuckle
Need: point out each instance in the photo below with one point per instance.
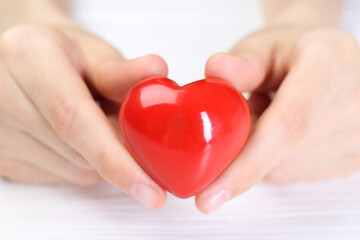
(276, 178)
(80, 161)
(280, 175)
(245, 174)
(62, 114)
(73, 173)
(36, 36)
(86, 178)
(330, 45)
(103, 162)
(115, 174)
(346, 42)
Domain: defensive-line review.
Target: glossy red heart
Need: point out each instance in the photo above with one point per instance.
(184, 137)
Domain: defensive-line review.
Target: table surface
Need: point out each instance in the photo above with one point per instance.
(185, 33)
(323, 210)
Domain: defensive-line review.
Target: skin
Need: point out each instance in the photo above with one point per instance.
(310, 130)
(51, 129)
(49, 81)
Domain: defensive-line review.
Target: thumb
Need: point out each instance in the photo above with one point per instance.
(269, 142)
(253, 63)
(256, 64)
(110, 74)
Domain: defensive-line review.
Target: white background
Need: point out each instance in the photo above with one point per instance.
(185, 33)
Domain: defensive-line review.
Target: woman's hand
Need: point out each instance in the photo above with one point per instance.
(51, 128)
(311, 129)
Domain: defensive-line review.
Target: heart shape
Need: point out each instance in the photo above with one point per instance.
(184, 137)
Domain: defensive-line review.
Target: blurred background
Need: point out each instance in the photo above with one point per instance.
(185, 33)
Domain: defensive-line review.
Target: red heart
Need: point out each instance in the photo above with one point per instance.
(184, 137)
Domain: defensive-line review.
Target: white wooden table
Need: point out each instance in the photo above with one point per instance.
(185, 33)
(326, 210)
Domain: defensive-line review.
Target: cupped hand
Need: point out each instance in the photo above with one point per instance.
(310, 130)
(51, 128)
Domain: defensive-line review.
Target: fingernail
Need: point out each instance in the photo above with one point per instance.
(215, 200)
(145, 194)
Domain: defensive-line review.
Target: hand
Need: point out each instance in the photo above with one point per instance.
(311, 129)
(51, 128)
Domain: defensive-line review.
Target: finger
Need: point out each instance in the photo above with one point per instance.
(55, 87)
(110, 74)
(20, 113)
(256, 62)
(312, 170)
(319, 156)
(16, 170)
(35, 153)
(244, 74)
(260, 154)
(335, 169)
(280, 128)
